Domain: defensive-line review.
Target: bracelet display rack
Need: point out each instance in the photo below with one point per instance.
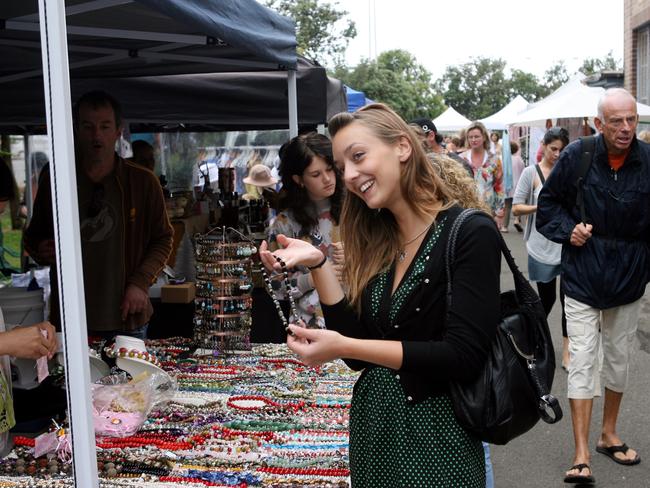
(223, 303)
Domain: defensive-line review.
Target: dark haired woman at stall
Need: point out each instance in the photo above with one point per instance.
(312, 193)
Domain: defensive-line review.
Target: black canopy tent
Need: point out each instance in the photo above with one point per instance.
(189, 102)
(167, 75)
(152, 37)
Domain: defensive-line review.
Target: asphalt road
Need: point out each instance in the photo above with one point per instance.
(540, 457)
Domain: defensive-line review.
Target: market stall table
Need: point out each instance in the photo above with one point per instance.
(258, 418)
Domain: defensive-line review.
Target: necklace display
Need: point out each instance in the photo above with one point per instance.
(401, 253)
(223, 302)
(257, 418)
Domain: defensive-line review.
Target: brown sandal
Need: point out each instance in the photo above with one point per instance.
(580, 478)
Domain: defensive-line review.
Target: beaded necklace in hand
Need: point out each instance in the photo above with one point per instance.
(292, 304)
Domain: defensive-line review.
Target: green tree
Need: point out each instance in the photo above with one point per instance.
(595, 65)
(525, 84)
(477, 88)
(395, 78)
(556, 76)
(322, 30)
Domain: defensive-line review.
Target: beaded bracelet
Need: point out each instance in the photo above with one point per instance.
(123, 352)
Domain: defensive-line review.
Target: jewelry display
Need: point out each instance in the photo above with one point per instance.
(123, 352)
(256, 418)
(223, 303)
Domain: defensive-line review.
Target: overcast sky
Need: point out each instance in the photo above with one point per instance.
(528, 35)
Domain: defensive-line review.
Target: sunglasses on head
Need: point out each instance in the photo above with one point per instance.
(558, 132)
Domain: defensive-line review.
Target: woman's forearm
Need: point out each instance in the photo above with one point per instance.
(327, 284)
(382, 353)
(523, 209)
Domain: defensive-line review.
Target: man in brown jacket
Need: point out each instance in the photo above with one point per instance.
(126, 237)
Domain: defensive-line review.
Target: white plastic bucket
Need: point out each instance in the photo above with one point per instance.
(21, 307)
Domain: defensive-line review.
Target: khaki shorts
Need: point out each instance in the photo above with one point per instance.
(588, 364)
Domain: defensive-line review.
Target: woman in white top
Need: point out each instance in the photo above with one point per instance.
(544, 256)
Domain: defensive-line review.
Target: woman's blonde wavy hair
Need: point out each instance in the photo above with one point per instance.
(371, 237)
(459, 183)
(456, 178)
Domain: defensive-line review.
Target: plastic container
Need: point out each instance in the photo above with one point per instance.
(21, 307)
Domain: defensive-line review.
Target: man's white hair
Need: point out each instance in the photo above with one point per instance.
(608, 94)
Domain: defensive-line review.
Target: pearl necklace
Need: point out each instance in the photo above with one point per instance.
(401, 253)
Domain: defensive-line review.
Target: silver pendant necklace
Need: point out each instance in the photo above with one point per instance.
(401, 253)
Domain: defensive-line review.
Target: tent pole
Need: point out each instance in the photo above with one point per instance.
(293, 103)
(56, 80)
(28, 177)
(163, 155)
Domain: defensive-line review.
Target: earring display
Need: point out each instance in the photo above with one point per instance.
(223, 303)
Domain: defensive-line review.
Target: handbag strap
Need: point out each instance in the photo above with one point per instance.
(525, 294)
(540, 174)
(520, 281)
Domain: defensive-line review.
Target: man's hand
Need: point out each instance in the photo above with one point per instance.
(580, 234)
(135, 301)
(29, 342)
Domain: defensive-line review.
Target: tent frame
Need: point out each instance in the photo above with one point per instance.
(58, 104)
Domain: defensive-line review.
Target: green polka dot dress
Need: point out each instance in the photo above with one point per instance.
(395, 443)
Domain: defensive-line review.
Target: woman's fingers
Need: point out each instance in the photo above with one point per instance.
(282, 240)
(304, 333)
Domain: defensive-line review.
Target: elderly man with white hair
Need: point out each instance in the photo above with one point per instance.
(596, 203)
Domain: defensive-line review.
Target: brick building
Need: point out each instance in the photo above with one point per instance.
(636, 48)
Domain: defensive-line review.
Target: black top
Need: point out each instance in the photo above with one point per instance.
(434, 352)
(611, 269)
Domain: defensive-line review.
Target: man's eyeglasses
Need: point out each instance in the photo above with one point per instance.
(96, 201)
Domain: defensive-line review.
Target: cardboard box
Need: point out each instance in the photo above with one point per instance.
(183, 293)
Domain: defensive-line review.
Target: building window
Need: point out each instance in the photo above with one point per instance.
(643, 65)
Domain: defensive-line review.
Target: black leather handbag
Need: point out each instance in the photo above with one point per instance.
(512, 392)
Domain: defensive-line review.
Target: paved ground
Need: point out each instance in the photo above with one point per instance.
(540, 457)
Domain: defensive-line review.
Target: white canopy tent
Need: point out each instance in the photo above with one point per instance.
(500, 119)
(450, 121)
(574, 99)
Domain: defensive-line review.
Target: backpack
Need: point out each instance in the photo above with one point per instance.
(588, 146)
(512, 392)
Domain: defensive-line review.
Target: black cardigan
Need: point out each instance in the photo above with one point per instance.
(435, 352)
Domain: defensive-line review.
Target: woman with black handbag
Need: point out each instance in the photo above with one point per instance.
(391, 322)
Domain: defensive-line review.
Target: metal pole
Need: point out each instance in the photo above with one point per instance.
(163, 155)
(293, 103)
(28, 177)
(56, 80)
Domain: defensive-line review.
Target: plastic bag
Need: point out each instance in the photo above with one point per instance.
(120, 407)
